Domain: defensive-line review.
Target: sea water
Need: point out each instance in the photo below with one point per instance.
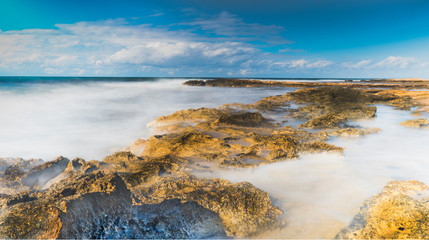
(44, 117)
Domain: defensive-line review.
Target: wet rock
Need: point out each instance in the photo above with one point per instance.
(331, 107)
(416, 123)
(400, 211)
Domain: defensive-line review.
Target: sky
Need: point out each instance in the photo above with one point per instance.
(215, 38)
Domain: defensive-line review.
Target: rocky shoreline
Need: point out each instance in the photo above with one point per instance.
(150, 191)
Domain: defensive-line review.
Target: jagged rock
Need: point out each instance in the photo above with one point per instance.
(416, 123)
(79, 165)
(124, 161)
(99, 205)
(400, 211)
(243, 209)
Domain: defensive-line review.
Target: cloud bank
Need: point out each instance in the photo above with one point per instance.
(217, 45)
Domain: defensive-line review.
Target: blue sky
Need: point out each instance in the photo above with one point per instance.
(234, 38)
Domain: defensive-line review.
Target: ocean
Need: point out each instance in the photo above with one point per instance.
(94, 117)
(44, 117)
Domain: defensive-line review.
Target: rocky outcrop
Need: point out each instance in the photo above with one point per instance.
(233, 138)
(379, 83)
(416, 123)
(331, 107)
(400, 211)
(243, 209)
(135, 197)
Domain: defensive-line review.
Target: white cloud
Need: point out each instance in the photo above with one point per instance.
(359, 64)
(60, 61)
(284, 50)
(395, 62)
(116, 47)
(99, 46)
(301, 64)
(319, 64)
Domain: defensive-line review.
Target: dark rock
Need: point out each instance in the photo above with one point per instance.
(195, 83)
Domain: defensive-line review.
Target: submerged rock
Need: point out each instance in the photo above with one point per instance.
(400, 211)
(353, 131)
(416, 123)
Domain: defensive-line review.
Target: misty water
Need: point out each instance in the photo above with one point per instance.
(92, 119)
(319, 193)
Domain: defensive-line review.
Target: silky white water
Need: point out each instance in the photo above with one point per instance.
(320, 193)
(94, 119)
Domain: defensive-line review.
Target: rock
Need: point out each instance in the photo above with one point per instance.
(192, 115)
(245, 119)
(185, 144)
(353, 131)
(243, 209)
(124, 161)
(400, 211)
(99, 205)
(380, 83)
(195, 83)
(79, 165)
(331, 107)
(416, 123)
